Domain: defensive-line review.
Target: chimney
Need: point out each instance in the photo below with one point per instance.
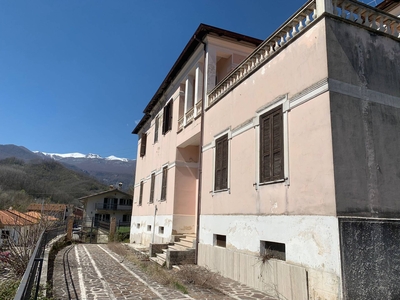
(120, 185)
(111, 186)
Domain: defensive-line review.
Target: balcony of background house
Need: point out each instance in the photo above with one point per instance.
(114, 206)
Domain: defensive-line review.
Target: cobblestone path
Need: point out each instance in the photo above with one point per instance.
(98, 273)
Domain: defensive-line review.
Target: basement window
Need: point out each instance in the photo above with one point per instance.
(161, 229)
(148, 227)
(220, 240)
(272, 250)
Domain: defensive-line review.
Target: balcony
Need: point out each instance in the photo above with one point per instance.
(112, 206)
(191, 115)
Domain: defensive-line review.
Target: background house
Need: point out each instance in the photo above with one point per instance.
(15, 227)
(102, 206)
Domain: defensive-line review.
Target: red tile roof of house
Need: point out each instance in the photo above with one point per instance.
(47, 207)
(15, 218)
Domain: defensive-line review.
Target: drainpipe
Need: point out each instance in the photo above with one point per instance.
(200, 171)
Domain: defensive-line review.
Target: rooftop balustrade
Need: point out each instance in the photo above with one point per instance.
(351, 10)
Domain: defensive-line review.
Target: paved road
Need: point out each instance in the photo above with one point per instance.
(98, 273)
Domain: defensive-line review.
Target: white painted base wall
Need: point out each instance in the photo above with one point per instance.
(312, 248)
(141, 235)
(173, 224)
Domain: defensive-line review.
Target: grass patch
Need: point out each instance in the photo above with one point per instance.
(180, 287)
(8, 289)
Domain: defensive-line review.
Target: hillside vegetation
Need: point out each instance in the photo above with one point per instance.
(49, 181)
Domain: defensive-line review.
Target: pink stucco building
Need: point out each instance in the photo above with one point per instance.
(282, 155)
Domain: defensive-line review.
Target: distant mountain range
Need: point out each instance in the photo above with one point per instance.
(108, 170)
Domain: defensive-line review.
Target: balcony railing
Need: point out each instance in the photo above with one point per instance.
(368, 16)
(351, 10)
(199, 108)
(180, 123)
(189, 116)
(112, 206)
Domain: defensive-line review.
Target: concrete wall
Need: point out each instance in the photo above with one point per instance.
(371, 258)
(312, 247)
(141, 235)
(365, 112)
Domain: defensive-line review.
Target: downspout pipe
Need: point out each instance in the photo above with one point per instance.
(200, 170)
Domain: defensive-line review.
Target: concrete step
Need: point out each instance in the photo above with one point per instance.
(177, 247)
(191, 236)
(184, 244)
(187, 240)
(158, 260)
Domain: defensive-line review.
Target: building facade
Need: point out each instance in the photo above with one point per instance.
(166, 187)
(299, 168)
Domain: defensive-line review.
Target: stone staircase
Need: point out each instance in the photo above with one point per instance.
(177, 252)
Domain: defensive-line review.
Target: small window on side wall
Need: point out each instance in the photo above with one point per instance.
(143, 143)
(270, 250)
(156, 125)
(220, 240)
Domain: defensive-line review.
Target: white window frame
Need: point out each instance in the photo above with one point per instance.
(285, 110)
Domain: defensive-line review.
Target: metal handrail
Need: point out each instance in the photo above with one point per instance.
(36, 260)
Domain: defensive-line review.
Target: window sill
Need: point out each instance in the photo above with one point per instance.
(221, 191)
(271, 182)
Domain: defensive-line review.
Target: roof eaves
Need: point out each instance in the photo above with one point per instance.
(202, 31)
(387, 4)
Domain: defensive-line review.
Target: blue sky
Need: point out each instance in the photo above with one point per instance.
(76, 75)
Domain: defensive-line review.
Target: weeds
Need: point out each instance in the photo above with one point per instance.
(8, 289)
(178, 279)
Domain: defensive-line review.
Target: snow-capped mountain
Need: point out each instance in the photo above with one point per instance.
(58, 156)
(108, 170)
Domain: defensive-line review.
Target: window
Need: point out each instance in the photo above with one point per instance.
(138, 225)
(167, 119)
(5, 234)
(148, 227)
(127, 202)
(126, 218)
(164, 183)
(220, 240)
(153, 179)
(156, 125)
(141, 193)
(270, 250)
(221, 163)
(271, 145)
(161, 229)
(143, 142)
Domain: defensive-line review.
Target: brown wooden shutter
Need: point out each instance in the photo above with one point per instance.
(143, 142)
(221, 163)
(165, 118)
(141, 193)
(271, 145)
(156, 125)
(164, 183)
(170, 115)
(152, 188)
(277, 145)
